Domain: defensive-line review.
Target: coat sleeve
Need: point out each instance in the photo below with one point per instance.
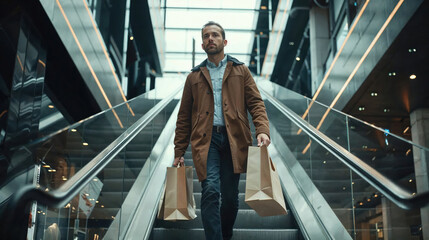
(255, 104)
(183, 124)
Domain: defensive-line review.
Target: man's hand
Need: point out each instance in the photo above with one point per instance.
(263, 139)
(177, 160)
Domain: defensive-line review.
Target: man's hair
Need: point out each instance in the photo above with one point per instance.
(214, 23)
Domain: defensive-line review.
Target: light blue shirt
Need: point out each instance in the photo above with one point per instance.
(216, 75)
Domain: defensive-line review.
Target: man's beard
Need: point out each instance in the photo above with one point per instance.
(213, 51)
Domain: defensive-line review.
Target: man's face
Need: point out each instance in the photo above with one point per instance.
(213, 42)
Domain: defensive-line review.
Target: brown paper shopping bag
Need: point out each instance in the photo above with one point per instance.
(177, 202)
(263, 189)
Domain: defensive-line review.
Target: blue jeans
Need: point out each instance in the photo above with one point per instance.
(221, 184)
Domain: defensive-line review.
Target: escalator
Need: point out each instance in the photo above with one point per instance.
(102, 178)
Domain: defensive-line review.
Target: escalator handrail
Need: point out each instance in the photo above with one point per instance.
(391, 190)
(59, 197)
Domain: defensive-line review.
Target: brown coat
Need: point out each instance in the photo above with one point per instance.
(195, 118)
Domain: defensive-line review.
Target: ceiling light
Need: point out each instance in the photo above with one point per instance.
(369, 200)
(73, 130)
(85, 144)
(264, 7)
(131, 38)
(374, 94)
(102, 206)
(291, 43)
(362, 108)
(298, 59)
(50, 106)
(413, 76)
(411, 180)
(408, 152)
(344, 188)
(353, 183)
(360, 203)
(46, 166)
(412, 50)
(261, 33)
(386, 110)
(406, 129)
(392, 74)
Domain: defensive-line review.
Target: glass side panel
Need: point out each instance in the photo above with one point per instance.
(92, 213)
(364, 212)
(96, 209)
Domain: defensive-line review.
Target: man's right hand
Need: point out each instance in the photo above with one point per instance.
(177, 160)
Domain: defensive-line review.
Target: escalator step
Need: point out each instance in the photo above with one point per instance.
(246, 219)
(239, 234)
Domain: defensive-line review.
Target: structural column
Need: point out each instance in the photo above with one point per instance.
(319, 43)
(419, 119)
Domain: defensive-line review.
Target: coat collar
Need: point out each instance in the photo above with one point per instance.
(228, 58)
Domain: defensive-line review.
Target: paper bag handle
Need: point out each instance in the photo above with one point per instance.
(179, 164)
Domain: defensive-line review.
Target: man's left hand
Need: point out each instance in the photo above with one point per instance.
(263, 139)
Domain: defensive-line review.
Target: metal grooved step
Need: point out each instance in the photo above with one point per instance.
(239, 234)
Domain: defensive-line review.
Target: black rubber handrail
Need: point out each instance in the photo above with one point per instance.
(391, 190)
(17, 210)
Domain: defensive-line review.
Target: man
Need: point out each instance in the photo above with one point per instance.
(213, 116)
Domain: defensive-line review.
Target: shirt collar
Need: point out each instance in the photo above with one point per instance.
(221, 64)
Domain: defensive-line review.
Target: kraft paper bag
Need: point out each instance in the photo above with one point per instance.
(177, 201)
(263, 189)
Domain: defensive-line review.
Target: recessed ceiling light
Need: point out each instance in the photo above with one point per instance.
(264, 7)
(298, 59)
(412, 50)
(392, 74)
(413, 76)
(291, 43)
(73, 130)
(131, 38)
(85, 144)
(50, 106)
(374, 94)
(362, 108)
(386, 110)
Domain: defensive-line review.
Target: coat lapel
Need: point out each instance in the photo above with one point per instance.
(227, 72)
(206, 74)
